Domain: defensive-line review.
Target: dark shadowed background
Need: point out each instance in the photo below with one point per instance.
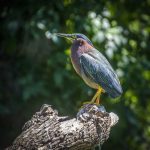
(35, 67)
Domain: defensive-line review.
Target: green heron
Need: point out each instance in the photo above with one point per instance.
(93, 67)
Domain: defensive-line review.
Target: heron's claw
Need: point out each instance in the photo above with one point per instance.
(90, 102)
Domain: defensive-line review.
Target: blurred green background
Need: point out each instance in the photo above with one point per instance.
(35, 67)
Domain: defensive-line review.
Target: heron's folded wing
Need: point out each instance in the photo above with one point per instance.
(97, 68)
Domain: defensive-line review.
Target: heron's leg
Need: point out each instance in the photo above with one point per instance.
(96, 97)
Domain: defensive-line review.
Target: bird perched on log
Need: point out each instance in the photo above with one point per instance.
(92, 66)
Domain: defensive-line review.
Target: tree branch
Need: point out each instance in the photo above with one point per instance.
(48, 131)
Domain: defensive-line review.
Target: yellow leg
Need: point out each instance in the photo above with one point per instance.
(96, 97)
(97, 100)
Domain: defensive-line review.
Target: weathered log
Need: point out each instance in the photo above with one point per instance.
(48, 131)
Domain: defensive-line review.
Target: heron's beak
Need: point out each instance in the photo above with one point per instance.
(71, 37)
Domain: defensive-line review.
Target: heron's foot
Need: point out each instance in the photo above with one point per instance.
(88, 103)
(91, 102)
(85, 103)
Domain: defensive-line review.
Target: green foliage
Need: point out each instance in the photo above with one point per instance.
(36, 69)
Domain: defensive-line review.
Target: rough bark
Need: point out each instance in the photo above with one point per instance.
(48, 131)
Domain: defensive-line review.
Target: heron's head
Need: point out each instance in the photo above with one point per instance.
(75, 36)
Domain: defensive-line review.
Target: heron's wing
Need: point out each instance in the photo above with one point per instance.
(96, 67)
(101, 58)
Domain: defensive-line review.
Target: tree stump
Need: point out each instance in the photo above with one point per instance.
(48, 131)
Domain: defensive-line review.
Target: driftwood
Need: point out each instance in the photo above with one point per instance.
(48, 131)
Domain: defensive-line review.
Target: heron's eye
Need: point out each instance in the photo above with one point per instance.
(81, 42)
